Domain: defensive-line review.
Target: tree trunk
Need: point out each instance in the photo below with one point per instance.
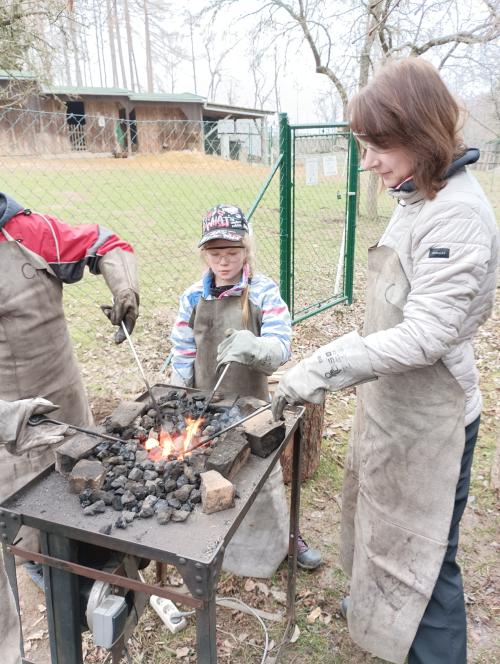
(111, 38)
(149, 57)
(312, 434)
(119, 42)
(130, 47)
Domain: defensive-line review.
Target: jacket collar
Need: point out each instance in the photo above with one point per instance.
(407, 191)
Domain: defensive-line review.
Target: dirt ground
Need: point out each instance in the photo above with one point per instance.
(322, 635)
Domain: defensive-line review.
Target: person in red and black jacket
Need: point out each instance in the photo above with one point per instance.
(38, 254)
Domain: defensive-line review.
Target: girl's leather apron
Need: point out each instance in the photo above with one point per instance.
(261, 542)
(399, 488)
(36, 357)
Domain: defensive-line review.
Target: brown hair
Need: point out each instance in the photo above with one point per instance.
(408, 106)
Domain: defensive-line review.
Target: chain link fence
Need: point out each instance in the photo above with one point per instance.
(155, 198)
(151, 182)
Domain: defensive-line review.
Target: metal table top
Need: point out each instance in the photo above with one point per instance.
(47, 504)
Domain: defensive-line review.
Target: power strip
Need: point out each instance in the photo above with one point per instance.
(165, 608)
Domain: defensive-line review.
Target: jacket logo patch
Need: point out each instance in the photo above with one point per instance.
(439, 252)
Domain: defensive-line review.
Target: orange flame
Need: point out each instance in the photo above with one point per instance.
(177, 446)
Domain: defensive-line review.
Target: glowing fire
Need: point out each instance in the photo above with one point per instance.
(177, 446)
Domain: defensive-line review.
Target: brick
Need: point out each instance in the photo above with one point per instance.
(217, 493)
(264, 434)
(230, 454)
(124, 414)
(76, 447)
(86, 474)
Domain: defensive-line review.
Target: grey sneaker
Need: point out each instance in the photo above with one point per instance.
(35, 571)
(344, 605)
(307, 558)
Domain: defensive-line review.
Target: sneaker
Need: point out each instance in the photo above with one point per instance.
(344, 605)
(35, 572)
(307, 558)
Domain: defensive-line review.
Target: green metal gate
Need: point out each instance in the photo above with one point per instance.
(318, 203)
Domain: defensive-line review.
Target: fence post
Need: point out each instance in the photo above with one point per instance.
(351, 210)
(285, 210)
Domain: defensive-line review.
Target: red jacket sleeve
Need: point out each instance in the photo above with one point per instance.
(67, 249)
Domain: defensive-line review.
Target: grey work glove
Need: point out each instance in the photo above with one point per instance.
(263, 354)
(18, 435)
(119, 269)
(341, 363)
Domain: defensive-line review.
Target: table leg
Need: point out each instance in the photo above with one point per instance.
(206, 633)
(63, 601)
(294, 526)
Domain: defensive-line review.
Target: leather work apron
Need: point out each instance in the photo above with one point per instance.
(36, 357)
(260, 543)
(401, 474)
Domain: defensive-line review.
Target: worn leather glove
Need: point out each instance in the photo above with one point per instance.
(126, 309)
(119, 269)
(18, 435)
(263, 354)
(341, 363)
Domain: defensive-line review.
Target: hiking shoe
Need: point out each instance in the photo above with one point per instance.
(344, 605)
(35, 572)
(307, 558)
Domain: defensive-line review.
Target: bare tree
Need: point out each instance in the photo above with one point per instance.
(149, 56)
(111, 41)
(116, 23)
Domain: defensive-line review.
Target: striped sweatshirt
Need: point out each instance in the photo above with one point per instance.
(263, 293)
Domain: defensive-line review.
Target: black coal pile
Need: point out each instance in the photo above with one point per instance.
(142, 484)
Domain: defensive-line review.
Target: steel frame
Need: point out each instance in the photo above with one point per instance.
(61, 570)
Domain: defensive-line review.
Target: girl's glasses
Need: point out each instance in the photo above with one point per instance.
(231, 255)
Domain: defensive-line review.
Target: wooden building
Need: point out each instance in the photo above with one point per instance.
(62, 119)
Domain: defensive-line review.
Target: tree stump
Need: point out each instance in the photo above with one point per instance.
(312, 433)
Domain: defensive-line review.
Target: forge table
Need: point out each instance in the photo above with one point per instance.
(195, 547)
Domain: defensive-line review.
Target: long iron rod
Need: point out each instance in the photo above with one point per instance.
(112, 579)
(148, 386)
(216, 387)
(35, 420)
(205, 439)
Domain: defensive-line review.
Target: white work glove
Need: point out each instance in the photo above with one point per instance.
(15, 432)
(263, 354)
(341, 363)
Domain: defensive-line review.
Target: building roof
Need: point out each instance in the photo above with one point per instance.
(184, 97)
(214, 111)
(77, 91)
(17, 75)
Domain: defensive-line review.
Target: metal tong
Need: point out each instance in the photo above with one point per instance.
(35, 420)
(217, 384)
(148, 386)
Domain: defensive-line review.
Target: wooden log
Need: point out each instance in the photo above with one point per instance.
(312, 433)
(311, 427)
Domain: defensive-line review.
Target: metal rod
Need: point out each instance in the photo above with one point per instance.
(217, 384)
(99, 575)
(35, 420)
(205, 439)
(148, 386)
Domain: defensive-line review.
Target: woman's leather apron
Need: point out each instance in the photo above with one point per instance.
(399, 488)
(36, 357)
(261, 542)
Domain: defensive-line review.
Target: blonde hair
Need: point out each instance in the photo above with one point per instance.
(249, 245)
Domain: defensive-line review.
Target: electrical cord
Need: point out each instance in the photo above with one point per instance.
(177, 617)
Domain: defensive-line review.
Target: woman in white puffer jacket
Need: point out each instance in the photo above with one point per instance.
(431, 284)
